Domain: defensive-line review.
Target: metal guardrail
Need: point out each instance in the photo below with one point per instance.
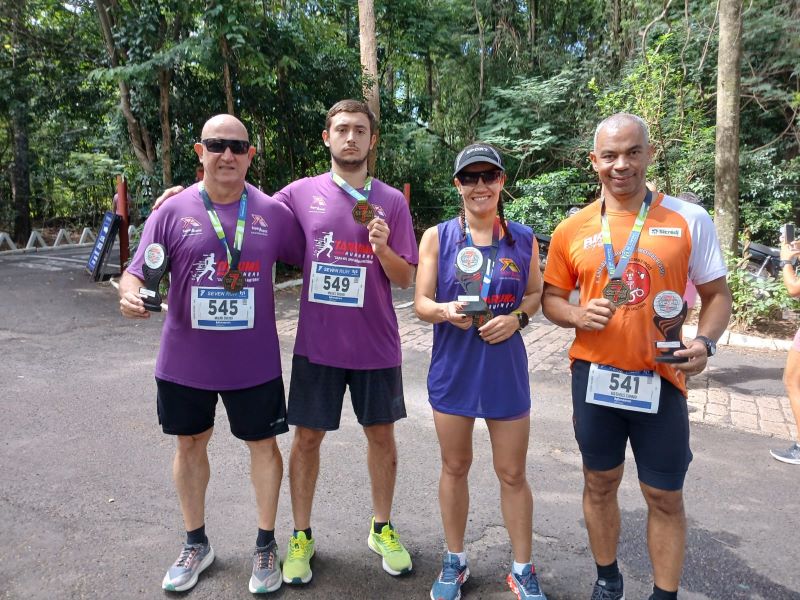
(37, 243)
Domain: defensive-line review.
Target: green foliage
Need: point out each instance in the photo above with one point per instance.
(755, 299)
(546, 199)
(769, 193)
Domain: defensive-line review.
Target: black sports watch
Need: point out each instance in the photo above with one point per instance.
(792, 263)
(711, 345)
(523, 318)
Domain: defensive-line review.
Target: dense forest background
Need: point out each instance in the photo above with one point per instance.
(93, 89)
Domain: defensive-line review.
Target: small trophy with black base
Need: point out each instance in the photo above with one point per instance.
(155, 265)
(670, 313)
(469, 261)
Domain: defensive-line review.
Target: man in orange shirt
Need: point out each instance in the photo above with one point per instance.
(631, 252)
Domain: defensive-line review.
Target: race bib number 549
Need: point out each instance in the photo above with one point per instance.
(336, 284)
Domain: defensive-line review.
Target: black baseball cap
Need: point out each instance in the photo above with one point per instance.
(475, 153)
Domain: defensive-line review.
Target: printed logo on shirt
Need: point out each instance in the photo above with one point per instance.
(666, 232)
(638, 279)
(190, 226)
(210, 269)
(326, 247)
(318, 205)
(509, 269)
(593, 242)
(500, 301)
(509, 265)
(259, 226)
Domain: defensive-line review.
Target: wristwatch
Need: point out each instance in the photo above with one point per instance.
(523, 318)
(792, 263)
(711, 345)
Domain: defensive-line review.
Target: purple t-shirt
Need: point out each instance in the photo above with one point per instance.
(219, 359)
(347, 318)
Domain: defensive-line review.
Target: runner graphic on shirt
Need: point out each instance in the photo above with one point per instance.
(206, 267)
(325, 244)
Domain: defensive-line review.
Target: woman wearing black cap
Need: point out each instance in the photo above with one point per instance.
(478, 282)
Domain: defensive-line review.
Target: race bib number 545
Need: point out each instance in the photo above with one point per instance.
(221, 310)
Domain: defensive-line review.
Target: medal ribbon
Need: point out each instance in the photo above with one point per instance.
(359, 197)
(488, 271)
(235, 254)
(630, 245)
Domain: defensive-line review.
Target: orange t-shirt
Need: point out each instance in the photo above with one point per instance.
(678, 241)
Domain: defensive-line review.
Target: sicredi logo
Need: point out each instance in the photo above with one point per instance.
(666, 232)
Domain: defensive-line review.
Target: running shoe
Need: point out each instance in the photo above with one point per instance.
(525, 586)
(297, 567)
(396, 560)
(791, 455)
(266, 575)
(183, 574)
(608, 590)
(448, 585)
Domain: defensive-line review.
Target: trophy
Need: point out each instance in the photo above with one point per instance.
(469, 261)
(670, 310)
(153, 269)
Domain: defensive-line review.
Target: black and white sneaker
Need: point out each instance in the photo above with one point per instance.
(608, 590)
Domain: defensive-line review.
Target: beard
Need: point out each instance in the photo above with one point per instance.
(350, 162)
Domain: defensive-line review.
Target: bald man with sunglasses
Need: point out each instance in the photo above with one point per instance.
(221, 238)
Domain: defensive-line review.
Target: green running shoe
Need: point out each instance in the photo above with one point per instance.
(297, 566)
(396, 560)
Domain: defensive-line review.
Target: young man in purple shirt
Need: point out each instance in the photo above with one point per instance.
(359, 241)
(221, 238)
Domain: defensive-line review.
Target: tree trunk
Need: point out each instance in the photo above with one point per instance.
(482, 51)
(726, 176)
(226, 74)
(140, 139)
(21, 175)
(369, 63)
(164, 81)
(21, 169)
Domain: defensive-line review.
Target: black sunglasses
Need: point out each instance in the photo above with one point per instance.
(471, 178)
(218, 145)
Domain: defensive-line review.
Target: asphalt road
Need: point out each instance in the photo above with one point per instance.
(87, 507)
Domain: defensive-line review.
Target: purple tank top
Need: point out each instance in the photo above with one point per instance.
(468, 376)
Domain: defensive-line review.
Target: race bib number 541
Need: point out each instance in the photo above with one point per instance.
(629, 390)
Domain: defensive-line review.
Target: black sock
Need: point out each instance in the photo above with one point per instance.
(378, 527)
(609, 572)
(197, 536)
(659, 594)
(265, 537)
(306, 531)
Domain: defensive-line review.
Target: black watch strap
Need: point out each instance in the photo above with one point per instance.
(523, 318)
(792, 263)
(711, 345)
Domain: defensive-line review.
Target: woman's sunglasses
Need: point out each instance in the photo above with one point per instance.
(218, 145)
(471, 178)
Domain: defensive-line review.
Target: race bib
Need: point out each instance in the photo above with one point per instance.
(337, 284)
(628, 390)
(218, 309)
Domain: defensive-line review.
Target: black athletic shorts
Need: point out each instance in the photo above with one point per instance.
(660, 441)
(316, 395)
(254, 413)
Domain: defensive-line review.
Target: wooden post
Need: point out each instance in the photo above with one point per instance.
(122, 211)
(407, 193)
